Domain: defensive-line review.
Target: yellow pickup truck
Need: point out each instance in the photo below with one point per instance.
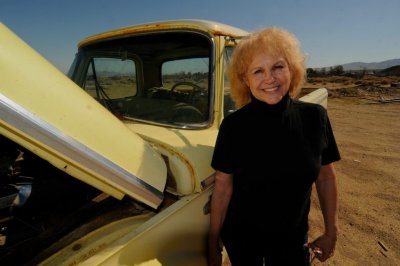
(110, 165)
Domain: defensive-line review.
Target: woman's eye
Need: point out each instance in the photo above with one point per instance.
(257, 71)
(279, 66)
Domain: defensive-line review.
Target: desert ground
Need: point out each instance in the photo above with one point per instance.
(366, 122)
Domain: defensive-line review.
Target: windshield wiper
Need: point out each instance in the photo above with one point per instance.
(101, 95)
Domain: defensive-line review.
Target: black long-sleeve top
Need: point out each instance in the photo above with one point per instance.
(275, 153)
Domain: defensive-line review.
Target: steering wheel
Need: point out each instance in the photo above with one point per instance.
(195, 88)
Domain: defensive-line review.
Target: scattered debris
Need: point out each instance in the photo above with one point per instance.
(395, 84)
(365, 91)
(396, 100)
(383, 253)
(383, 246)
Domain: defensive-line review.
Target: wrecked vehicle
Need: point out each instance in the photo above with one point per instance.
(111, 165)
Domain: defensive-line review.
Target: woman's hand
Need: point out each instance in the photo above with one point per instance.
(323, 247)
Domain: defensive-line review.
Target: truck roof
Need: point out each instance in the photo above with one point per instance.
(212, 27)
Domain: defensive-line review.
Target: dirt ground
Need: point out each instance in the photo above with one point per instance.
(367, 131)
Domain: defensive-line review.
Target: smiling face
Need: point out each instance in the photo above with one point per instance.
(268, 77)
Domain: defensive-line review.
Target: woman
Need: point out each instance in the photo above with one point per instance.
(267, 156)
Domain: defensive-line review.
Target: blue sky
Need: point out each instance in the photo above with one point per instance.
(331, 32)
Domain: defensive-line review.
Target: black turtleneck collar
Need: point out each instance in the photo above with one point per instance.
(277, 108)
(284, 111)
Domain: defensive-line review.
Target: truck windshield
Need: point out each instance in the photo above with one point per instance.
(159, 78)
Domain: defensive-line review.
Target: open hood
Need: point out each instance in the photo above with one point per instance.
(44, 111)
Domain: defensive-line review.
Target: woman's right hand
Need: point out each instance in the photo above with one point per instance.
(214, 255)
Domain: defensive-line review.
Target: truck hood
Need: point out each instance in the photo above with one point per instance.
(45, 112)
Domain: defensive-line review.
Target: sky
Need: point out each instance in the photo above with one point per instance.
(331, 32)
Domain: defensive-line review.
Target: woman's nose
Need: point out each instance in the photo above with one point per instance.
(268, 77)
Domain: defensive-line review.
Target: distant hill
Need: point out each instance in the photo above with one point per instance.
(391, 71)
(371, 66)
(367, 66)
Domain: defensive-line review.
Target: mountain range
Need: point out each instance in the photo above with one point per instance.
(370, 66)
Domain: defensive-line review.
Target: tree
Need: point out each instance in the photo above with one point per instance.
(311, 72)
(336, 71)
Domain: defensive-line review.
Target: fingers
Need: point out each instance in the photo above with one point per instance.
(319, 252)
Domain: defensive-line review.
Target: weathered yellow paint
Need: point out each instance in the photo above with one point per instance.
(168, 238)
(196, 147)
(96, 241)
(48, 96)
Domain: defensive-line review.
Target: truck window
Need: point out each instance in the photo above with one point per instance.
(111, 78)
(161, 78)
(187, 81)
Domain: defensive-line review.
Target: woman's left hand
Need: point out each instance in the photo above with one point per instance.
(323, 247)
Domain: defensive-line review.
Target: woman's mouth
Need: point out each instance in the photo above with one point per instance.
(271, 89)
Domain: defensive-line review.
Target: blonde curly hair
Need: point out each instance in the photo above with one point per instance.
(271, 40)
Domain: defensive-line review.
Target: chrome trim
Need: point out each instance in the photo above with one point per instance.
(75, 152)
